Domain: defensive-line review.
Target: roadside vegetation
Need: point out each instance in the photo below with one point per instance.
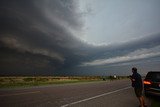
(10, 82)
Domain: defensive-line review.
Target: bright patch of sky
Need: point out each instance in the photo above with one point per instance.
(138, 54)
(112, 21)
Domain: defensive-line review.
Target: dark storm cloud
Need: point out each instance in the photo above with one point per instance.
(137, 49)
(40, 27)
(43, 36)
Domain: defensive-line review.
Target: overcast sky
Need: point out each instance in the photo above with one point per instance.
(79, 37)
(111, 21)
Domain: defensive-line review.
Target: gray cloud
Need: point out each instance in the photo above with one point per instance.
(41, 27)
(44, 35)
(136, 55)
(13, 43)
(44, 28)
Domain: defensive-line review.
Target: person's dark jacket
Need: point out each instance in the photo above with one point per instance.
(138, 80)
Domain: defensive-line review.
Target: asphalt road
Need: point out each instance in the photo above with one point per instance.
(98, 94)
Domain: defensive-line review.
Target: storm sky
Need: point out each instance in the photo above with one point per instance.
(79, 37)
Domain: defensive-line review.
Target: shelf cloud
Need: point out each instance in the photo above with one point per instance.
(136, 55)
(46, 37)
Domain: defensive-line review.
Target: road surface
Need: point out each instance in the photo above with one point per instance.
(116, 93)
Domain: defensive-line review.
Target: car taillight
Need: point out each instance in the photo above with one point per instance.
(147, 82)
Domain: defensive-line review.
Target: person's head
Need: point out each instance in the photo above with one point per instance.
(134, 70)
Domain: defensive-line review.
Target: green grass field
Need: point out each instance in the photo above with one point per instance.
(9, 82)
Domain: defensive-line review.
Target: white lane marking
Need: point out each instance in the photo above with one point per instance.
(96, 96)
(19, 93)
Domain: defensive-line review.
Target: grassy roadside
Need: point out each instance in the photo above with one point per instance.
(12, 82)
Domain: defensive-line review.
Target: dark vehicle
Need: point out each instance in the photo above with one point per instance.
(152, 83)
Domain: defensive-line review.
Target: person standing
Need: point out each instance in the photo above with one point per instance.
(137, 84)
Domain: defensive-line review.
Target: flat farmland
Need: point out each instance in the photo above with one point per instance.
(26, 81)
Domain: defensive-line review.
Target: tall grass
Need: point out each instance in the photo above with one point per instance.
(7, 82)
